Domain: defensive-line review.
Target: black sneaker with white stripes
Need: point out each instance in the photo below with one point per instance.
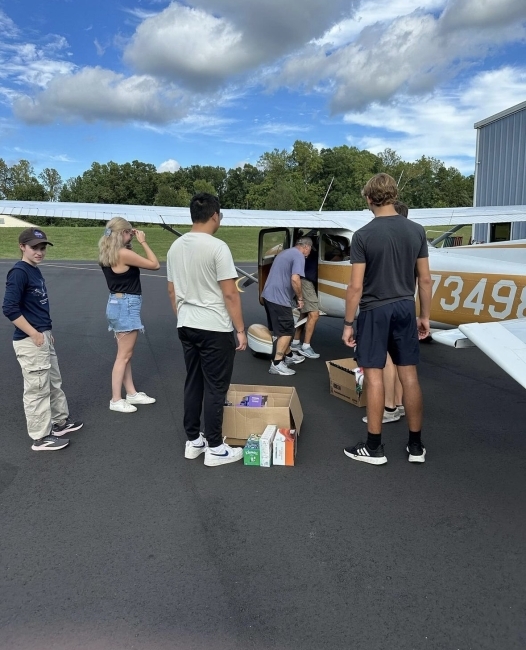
(68, 426)
(417, 452)
(49, 443)
(362, 453)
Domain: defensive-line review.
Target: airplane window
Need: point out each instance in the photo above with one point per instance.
(335, 248)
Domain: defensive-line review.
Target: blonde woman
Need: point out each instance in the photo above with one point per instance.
(121, 267)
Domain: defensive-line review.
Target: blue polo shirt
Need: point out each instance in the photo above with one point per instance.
(26, 295)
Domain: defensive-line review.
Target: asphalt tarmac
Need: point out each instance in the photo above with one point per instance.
(119, 542)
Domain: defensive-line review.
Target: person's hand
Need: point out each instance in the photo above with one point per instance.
(139, 235)
(38, 339)
(241, 341)
(301, 303)
(348, 336)
(423, 328)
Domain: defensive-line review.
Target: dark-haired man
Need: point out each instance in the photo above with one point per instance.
(202, 289)
(387, 255)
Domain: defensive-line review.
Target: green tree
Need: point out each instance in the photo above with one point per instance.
(52, 183)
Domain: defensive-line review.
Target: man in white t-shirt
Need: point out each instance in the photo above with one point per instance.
(202, 289)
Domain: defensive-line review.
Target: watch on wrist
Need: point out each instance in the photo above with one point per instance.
(348, 323)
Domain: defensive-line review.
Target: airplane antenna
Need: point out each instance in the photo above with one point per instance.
(326, 195)
(400, 178)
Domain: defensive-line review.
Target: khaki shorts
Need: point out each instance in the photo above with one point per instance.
(309, 296)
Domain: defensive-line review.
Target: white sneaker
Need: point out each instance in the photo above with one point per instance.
(228, 455)
(122, 406)
(281, 369)
(388, 417)
(294, 359)
(140, 398)
(401, 410)
(193, 451)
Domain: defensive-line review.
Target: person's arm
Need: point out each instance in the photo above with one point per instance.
(15, 287)
(171, 295)
(352, 300)
(130, 258)
(424, 295)
(295, 281)
(233, 306)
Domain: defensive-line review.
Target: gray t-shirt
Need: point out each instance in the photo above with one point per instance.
(389, 247)
(278, 287)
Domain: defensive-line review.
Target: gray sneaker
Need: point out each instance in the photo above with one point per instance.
(281, 369)
(308, 352)
(49, 443)
(388, 417)
(294, 359)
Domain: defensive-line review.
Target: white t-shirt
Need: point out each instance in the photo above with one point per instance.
(196, 263)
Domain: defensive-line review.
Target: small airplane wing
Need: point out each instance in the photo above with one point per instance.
(351, 220)
(504, 342)
(181, 216)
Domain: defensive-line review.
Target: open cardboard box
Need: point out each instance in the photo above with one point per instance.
(283, 409)
(343, 383)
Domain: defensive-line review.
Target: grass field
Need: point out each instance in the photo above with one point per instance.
(80, 243)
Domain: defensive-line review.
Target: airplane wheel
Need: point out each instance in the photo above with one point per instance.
(260, 355)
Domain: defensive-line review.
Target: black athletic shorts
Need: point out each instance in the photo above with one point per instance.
(280, 319)
(389, 328)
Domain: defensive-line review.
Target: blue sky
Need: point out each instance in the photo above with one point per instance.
(219, 82)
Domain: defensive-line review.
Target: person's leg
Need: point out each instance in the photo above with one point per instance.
(217, 352)
(405, 351)
(125, 345)
(389, 383)
(194, 384)
(58, 401)
(399, 394)
(35, 365)
(374, 385)
(413, 402)
(282, 347)
(296, 342)
(372, 334)
(312, 319)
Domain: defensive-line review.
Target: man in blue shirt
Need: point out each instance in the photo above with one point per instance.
(27, 307)
(282, 289)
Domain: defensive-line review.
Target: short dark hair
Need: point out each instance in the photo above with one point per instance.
(401, 208)
(203, 206)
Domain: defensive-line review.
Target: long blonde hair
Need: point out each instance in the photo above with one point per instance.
(112, 241)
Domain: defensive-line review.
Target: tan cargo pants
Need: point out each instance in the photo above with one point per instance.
(44, 399)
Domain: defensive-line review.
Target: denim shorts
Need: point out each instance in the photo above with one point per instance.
(124, 312)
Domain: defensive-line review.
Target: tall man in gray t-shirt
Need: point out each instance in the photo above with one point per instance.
(387, 256)
(282, 287)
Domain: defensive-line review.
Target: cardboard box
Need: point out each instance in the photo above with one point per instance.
(265, 445)
(343, 383)
(285, 446)
(282, 409)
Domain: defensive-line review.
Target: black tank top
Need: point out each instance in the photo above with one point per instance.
(127, 282)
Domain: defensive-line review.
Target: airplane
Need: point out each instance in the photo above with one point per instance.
(481, 284)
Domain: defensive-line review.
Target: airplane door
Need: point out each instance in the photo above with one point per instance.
(271, 242)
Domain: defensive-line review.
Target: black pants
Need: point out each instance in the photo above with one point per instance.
(209, 360)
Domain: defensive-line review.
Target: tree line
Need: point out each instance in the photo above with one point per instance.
(281, 180)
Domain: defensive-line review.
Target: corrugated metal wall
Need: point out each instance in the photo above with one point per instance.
(501, 165)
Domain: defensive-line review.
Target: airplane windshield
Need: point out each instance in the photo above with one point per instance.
(335, 248)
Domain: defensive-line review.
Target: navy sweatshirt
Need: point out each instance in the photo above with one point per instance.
(26, 295)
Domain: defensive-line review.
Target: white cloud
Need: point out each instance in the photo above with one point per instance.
(411, 54)
(169, 165)
(209, 42)
(98, 94)
(441, 124)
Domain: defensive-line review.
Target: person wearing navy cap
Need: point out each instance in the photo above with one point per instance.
(26, 305)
